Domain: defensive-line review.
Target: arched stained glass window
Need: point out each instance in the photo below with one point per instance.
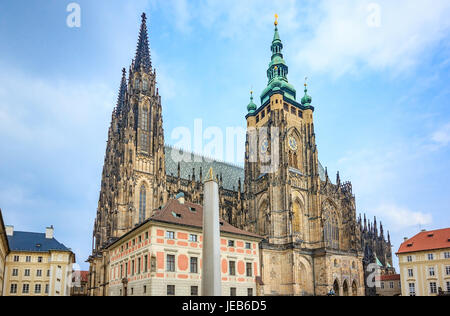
(144, 121)
(142, 203)
(296, 223)
(331, 231)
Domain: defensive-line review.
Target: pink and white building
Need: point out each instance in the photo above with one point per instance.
(163, 256)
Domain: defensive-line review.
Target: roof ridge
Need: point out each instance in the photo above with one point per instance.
(205, 156)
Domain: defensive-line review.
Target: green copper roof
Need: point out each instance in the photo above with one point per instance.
(251, 106)
(277, 72)
(306, 100)
(378, 262)
(276, 36)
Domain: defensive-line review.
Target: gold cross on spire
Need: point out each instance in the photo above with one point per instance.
(276, 19)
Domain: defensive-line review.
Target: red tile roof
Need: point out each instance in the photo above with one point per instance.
(84, 276)
(427, 240)
(191, 214)
(389, 277)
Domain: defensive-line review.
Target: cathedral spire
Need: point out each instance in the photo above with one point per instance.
(122, 92)
(277, 71)
(143, 51)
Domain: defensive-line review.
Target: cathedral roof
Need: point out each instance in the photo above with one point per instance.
(321, 172)
(231, 173)
(190, 214)
(427, 240)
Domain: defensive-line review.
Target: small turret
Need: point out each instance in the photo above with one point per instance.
(306, 100)
(122, 93)
(251, 107)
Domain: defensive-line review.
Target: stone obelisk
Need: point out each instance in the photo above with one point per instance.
(211, 275)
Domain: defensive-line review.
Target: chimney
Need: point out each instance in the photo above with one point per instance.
(405, 239)
(49, 232)
(9, 230)
(180, 197)
(424, 230)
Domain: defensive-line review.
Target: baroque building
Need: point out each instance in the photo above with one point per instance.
(37, 265)
(312, 237)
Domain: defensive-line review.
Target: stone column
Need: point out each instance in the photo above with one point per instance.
(211, 275)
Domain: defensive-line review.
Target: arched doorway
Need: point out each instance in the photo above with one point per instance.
(336, 288)
(345, 288)
(354, 289)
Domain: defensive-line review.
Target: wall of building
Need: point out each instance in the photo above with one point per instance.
(153, 272)
(421, 278)
(3, 254)
(389, 288)
(45, 274)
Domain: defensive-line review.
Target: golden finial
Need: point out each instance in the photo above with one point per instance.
(211, 175)
(276, 19)
(306, 79)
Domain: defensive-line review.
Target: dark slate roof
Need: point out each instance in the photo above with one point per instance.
(321, 172)
(34, 242)
(230, 173)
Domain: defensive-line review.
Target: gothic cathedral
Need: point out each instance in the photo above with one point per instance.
(313, 241)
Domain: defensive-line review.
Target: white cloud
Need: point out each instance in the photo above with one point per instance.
(399, 218)
(232, 18)
(329, 36)
(342, 40)
(46, 113)
(442, 136)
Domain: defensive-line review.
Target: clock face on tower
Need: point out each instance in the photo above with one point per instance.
(293, 143)
(264, 146)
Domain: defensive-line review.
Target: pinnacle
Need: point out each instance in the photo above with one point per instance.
(143, 50)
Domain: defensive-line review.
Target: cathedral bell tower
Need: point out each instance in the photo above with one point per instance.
(281, 156)
(133, 179)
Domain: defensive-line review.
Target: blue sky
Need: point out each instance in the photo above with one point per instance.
(381, 96)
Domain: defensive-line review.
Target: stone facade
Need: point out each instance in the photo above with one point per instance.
(312, 238)
(4, 250)
(389, 285)
(377, 252)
